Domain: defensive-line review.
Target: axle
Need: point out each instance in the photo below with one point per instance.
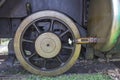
(87, 40)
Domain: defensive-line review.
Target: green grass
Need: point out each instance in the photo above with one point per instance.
(72, 77)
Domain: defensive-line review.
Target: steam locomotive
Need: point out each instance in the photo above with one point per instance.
(48, 36)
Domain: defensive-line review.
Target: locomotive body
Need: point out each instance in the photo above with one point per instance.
(48, 36)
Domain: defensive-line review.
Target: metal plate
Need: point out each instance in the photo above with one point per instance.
(48, 45)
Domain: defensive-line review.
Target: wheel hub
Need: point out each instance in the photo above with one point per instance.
(57, 51)
(48, 45)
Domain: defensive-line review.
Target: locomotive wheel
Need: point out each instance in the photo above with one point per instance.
(44, 43)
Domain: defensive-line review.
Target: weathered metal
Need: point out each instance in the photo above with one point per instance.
(87, 40)
(48, 45)
(48, 34)
(13, 11)
(104, 22)
(63, 27)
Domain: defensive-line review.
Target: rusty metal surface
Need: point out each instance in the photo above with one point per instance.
(87, 40)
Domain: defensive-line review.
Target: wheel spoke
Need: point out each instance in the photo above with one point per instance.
(29, 41)
(51, 25)
(59, 59)
(31, 56)
(36, 28)
(68, 47)
(44, 64)
(64, 33)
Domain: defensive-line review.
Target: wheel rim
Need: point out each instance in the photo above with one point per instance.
(44, 42)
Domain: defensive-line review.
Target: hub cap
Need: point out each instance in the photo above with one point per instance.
(46, 45)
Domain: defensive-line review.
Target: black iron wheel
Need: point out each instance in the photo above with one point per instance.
(44, 43)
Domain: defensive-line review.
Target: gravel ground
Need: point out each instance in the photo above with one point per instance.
(84, 67)
(80, 67)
